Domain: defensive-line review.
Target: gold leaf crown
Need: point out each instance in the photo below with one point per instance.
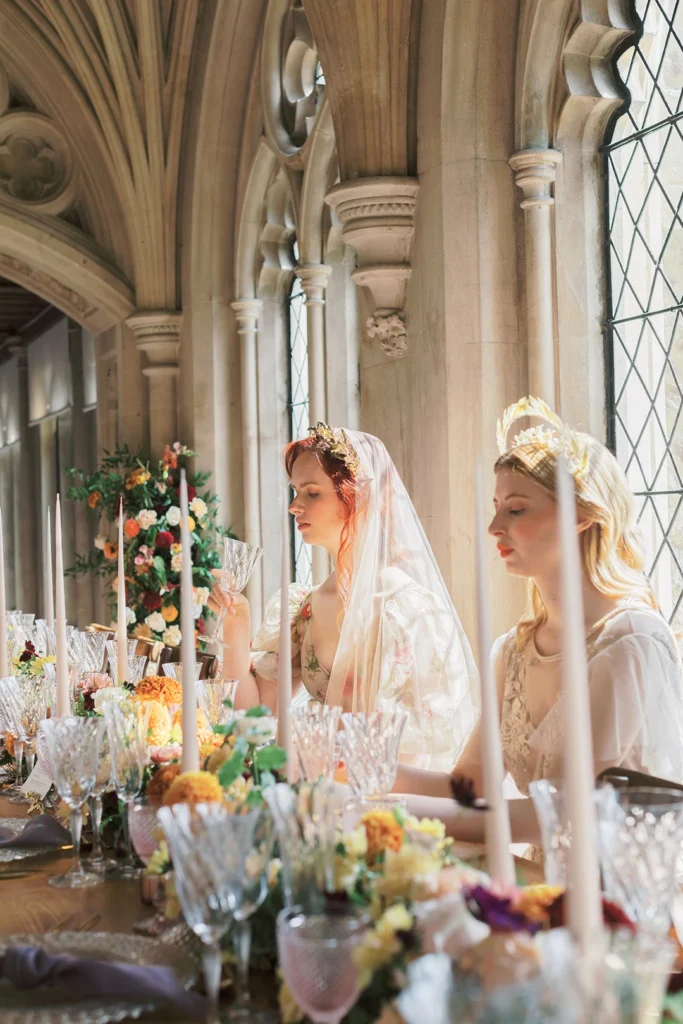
(335, 441)
(557, 438)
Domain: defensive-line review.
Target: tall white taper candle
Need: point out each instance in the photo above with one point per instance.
(62, 659)
(121, 626)
(4, 660)
(583, 873)
(190, 758)
(48, 581)
(284, 672)
(501, 863)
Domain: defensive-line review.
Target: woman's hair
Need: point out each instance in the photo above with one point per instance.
(345, 486)
(611, 549)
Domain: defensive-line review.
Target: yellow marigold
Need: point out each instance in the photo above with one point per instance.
(162, 688)
(382, 832)
(94, 498)
(159, 727)
(194, 788)
(161, 782)
(169, 612)
(137, 477)
(433, 827)
(534, 900)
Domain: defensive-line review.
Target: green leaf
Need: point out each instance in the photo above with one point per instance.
(231, 770)
(270, 758)
(224, 730)
(255, 798)
(227, 703)
(160, 568)
(260, 711)
(673, 1007)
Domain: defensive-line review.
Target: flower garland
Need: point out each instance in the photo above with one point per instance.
(152, 549)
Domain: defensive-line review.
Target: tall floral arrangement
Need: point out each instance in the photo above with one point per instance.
(150, 493)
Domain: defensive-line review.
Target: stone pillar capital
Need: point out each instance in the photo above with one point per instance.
(378, 219)
(157, 333)
(247, 312)
(535, 173)
(314, 278)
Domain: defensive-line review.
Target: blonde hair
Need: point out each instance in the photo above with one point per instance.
(611, 549)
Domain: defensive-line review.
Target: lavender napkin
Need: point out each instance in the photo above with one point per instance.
(27, 968)
(41, 831)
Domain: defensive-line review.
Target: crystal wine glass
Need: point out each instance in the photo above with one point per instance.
(33, 698)
(74, 746)
(93, 652)
(127, 729)
(212, 695)
(315, 729)
(112, 648)
(175, 671)
(370, 745)
(246, 858)
(10, 706)
(316, 959)
(97, 860)
(239, 561)
(197, 841)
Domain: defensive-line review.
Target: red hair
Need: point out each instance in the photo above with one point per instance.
(345, 487)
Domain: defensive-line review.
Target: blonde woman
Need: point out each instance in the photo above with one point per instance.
(634, 667)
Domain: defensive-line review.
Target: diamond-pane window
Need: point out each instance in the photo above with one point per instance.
(297, 405)
(644, 170)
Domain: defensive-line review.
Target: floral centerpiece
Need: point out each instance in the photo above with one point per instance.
(149, 493)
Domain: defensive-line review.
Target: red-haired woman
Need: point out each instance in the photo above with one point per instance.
(381, 632)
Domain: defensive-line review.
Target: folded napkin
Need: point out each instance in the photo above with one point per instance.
(27, 968)
(41, 831)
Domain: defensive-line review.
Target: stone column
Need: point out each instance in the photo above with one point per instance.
(247, 312)
(27, 508)
(314, 277)
(157, 335)
(535, 174)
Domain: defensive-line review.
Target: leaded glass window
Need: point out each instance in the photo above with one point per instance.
(644, 177)
(298, 407)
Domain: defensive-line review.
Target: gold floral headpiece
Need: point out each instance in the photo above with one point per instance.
(557, 438)
(335, 441)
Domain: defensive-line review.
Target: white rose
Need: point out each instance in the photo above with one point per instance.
(146, 517)
(201, 595)
(197, 610)
(257, 731)
(172, 636)
(109, 695)
(156, 621)
(100, 541)
(131, 617)
(173, 516)
(176, 563)
(198, 507)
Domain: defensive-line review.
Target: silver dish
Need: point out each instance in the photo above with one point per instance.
(44, 1006)
(16, 825)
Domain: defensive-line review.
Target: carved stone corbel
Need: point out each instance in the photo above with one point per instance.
(378, 219)
(157, 334)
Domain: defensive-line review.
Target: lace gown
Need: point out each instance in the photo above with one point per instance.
(636, 700)
(412, 631)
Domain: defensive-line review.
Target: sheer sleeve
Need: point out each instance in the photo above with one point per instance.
(636, 697)
(264, 646)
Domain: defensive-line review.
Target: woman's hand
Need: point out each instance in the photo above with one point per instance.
(235, 604)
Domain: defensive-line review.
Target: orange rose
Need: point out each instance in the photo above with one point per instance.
(131, 528)
(169, 612)
(94, 498)
(111, 550)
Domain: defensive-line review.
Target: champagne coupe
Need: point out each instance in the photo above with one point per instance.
(74, 746)
(239, 561)
(316, 959)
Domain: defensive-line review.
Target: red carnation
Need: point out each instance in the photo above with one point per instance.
(151, 601)
(191, 492)
(164, 539)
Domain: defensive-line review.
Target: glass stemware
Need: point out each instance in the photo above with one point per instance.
(247, 856)
(136, 663)
(74, 745)
(239, 561)
(315, 729)
(175, 671)
(33, 707)
(641, 831)
(212, 695)
(11, 705)
(97, 861)
(316, 959)
(127, 730)
(198, 839)
(93, 652)
(370, 745)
